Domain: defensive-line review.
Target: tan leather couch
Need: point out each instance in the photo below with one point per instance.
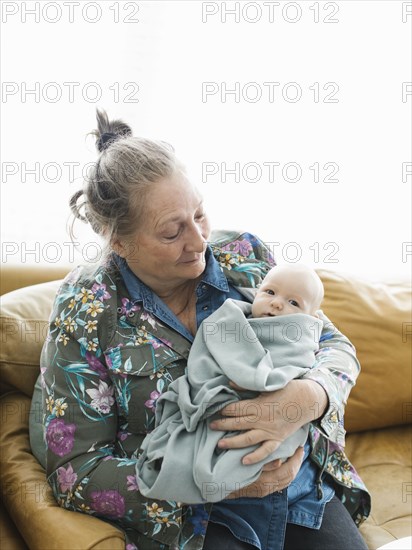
(376, 317)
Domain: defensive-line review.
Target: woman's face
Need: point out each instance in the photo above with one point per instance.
(169, 246)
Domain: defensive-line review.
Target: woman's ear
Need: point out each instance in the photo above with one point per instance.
(120, 248)
(125, 249)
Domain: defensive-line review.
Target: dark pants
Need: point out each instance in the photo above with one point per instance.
(338, 532)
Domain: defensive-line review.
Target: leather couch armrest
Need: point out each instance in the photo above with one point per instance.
(29, 499)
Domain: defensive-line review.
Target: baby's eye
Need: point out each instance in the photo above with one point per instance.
(294, 303)
(269, 291)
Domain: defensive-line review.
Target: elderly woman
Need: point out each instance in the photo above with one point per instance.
(119, 335)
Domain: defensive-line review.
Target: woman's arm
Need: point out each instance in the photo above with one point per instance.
(336, 371)
(85, 465)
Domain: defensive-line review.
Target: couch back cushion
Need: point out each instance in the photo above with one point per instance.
(376, 317)
(24, 319)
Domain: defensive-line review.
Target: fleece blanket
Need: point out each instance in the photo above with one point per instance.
(180, 459)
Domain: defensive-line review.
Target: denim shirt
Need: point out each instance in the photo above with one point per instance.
(301, 504)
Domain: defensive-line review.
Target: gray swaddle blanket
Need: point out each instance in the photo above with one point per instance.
(180, 460)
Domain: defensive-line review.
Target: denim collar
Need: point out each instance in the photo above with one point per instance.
(139, 292)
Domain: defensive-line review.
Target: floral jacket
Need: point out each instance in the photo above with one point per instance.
(104, 364)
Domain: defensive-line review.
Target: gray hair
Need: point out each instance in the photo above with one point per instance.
(115, 190)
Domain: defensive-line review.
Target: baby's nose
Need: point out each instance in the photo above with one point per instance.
(277, 302)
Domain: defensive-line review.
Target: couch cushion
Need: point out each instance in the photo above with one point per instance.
(376, 317)
(383, 459)
(10, 538)
(23, 325)
(20, 275)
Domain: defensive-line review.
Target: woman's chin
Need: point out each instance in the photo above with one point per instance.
(193, 268)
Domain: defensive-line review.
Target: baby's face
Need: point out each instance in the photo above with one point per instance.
(286, 290)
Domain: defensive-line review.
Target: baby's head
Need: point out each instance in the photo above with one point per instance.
(286, 289)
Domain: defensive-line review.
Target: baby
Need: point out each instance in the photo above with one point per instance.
(259, 346)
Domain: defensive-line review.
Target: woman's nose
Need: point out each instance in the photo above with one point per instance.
(195, 242)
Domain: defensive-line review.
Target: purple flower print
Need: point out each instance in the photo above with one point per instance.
(109, 504)
(122, 435)
(132, 483)
(128, 306)
(155, 343)
(100, 292)
(243, 247)
(231, 247)
(96, 365)
(66, 478)
(151, 403)
(131, 546)
(102, 397)
(149, 318)
(60, 437)
(167, 342)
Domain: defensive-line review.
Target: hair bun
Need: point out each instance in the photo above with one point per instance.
(109, 131)
(106, 139)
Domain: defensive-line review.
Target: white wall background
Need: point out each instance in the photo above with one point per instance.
(358, 53)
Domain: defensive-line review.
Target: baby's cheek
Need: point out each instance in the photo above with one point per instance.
(256, 308)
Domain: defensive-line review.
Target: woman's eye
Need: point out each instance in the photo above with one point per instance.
(269, 291)
(294, 303)
(171, 237)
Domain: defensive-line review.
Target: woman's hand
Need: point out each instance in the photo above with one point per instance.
(275, 476)
(270, 418)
